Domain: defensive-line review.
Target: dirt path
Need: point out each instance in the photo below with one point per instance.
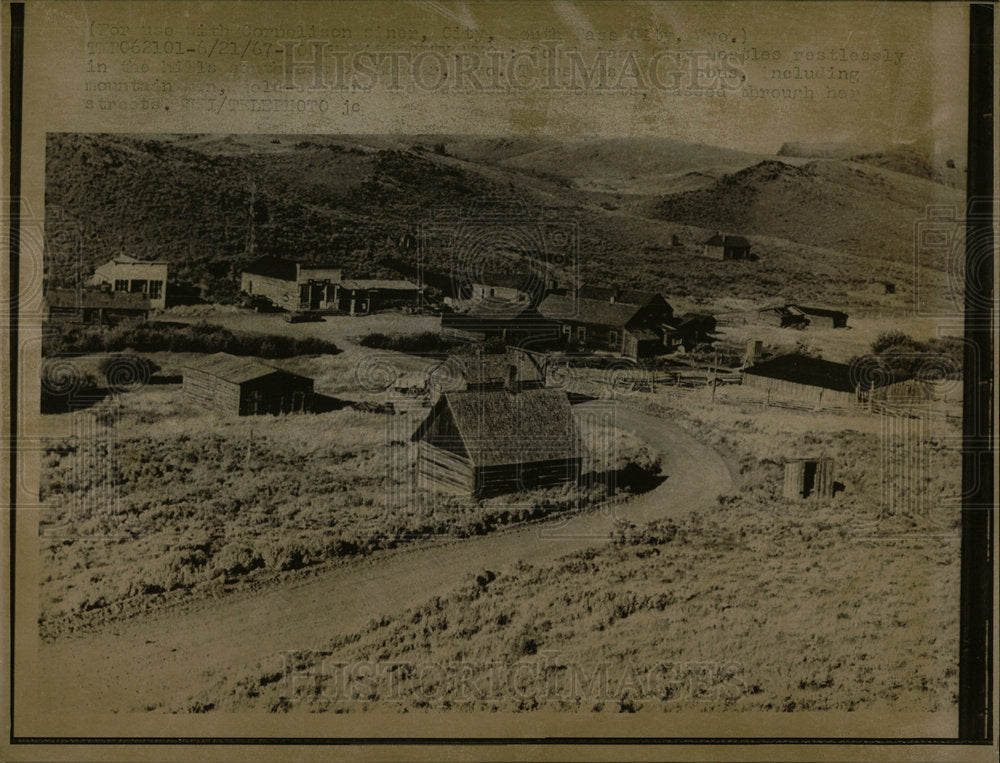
(161, 661)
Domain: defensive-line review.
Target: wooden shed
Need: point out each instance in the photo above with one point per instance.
(490, 442)
(805, 477)
(245, 387)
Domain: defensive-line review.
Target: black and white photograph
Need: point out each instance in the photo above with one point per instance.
(639, 388)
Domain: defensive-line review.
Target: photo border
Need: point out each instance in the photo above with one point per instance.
(977, 631)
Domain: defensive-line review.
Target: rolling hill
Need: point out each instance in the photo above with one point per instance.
(639, 208)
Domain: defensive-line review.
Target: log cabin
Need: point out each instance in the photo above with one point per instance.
(489, 442)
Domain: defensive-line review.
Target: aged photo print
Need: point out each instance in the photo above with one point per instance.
(570, 370)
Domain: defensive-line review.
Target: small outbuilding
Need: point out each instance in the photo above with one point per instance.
(805, 477)
(801, 316)
(245, 387)
(720, 247)
(489, 442)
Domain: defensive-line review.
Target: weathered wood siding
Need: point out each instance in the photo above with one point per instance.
(510, 478)
(272, 394)
(443, 433)
(211, 392)
(443, 470)
(805, 392)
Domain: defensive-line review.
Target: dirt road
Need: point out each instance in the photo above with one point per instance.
(161, 661)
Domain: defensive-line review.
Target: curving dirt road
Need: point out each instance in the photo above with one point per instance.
(161, 661)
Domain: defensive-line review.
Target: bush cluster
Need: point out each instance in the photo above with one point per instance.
(151, 336)
(426, 341)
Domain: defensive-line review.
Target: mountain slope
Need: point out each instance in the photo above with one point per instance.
(830, 204)
(209, 204)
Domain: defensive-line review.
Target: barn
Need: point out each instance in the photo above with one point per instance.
(821, 382)
(514, 370)
(513, 322)
(244, 387)
(510, 287)
(489, 442)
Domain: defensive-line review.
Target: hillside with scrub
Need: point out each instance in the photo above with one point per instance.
(822, 228)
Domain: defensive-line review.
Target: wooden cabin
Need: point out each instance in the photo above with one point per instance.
(624, 322)
(514, 370)
(801, 316)
(821, 317)
(245, 387)
(489, 442)
(782, 316)
(509, 287)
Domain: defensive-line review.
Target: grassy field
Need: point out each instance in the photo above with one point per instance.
(700, 612)
(151, 499)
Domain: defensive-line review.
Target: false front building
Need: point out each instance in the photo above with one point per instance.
(292, 285)
(126, 274)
